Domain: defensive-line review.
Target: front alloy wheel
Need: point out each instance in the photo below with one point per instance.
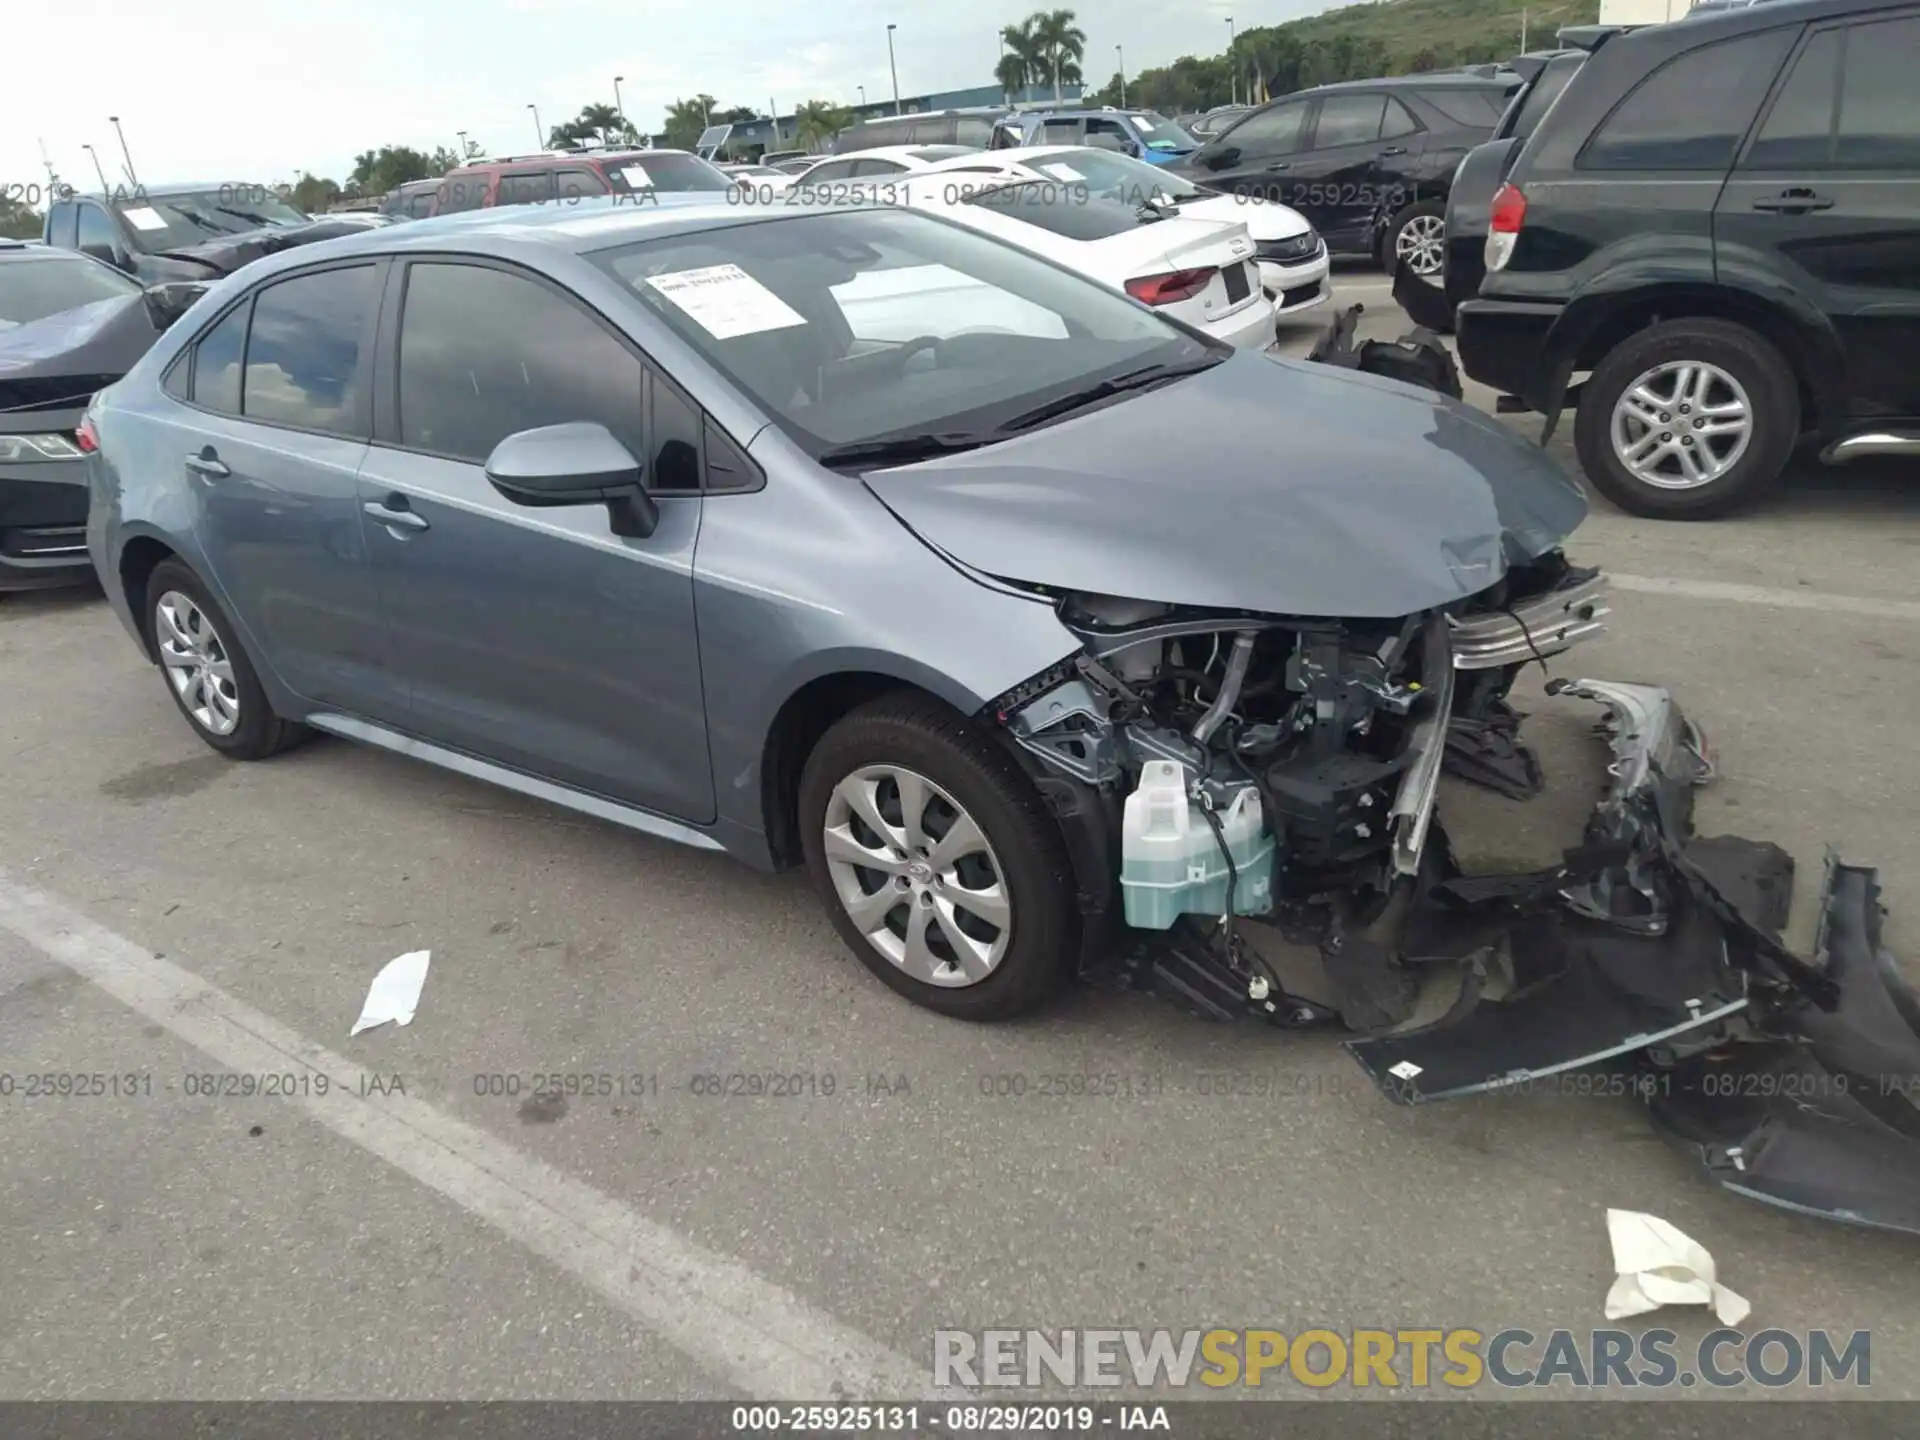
(197, 664)
(916, 876)
(1421, 245)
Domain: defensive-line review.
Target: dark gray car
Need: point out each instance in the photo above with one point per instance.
(806, 536)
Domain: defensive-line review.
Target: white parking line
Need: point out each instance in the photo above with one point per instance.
(759, 1338)
(1765, 595)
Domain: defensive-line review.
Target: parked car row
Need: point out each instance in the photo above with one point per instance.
(1703, 236)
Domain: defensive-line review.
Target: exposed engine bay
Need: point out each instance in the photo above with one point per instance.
(1214, 769)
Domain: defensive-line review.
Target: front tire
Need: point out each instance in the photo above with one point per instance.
(1687, 420)
(937, 860)
(1417, 239)
(206, 671)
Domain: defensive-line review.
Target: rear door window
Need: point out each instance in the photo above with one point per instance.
(216, 362)
(828, 171)
(1349, 120)
(1472, 108)
(1692, 112)
(1273, 131)
(461, 192)
(303, 352)
(1398, 121)
(1063, 130)
(1879, 101)
(527, 187)
(972, 131)
(1798, 131)
(97, 230)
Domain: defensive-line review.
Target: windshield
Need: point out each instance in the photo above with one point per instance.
(1120, 177)
(862, 325)
(48, 284)
(665, 170)
(1159, 133)
(163, 222)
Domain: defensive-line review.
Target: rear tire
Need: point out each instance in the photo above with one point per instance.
(1720, 367)
(924, 772)
(206, 671)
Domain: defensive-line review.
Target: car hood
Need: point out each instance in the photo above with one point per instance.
(46, 363)
(1268, 485)
(225, 254)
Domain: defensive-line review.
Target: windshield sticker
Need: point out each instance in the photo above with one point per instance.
(1062, 172)
(145, 217)
(725, 301)
(636, 176)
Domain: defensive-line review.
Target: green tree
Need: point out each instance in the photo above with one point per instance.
(375, 172)
(1022, 65)
(818, 121)
(1424, 62)
(601, 121)
(685, 120)
(1063, 45)
(19, 220)
(443, 159)
(312, 194)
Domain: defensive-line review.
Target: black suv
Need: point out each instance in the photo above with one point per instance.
(183, 232)
(1717, 221)
(1368, 162)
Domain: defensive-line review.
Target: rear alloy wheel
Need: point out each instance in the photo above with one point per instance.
(1687, 419)
(1418, 240)
(937, 860)
(207, 673)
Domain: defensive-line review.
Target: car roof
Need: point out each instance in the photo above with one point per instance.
(1500, 81)
(579, 227)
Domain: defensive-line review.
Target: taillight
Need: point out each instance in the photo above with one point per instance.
(86, 437)
(1171, 287)
(1509, 213)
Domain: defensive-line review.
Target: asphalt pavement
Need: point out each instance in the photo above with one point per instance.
(769, 1176)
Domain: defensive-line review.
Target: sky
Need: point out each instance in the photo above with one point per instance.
(259, 90)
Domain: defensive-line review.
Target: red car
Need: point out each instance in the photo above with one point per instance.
(573, 175)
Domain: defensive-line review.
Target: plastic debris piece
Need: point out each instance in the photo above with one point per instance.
(1656, 1264)
(395, 992)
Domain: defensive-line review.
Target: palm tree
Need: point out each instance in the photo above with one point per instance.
(686, 119)
(600, 120)
(818, 121)
(1022, 64)
(1062, 46)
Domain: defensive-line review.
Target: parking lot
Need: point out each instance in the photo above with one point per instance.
(875, 1173)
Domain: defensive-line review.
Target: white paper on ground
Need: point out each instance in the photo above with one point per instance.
(395, 992)
(145, 217)
(636, 176)
(1657, 1265)
(725, 301)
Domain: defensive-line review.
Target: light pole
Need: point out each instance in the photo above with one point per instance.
(617, 103)
(894, 69)
(463, 145)
(539, 135)
(104, 187)
(132, 179)
(863, 95)
(1120, 55)
(1233, 69)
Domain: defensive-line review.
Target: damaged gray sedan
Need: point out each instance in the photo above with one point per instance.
(1055, 639)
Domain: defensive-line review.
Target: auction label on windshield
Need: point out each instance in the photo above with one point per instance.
(725, 301)
(144, 217)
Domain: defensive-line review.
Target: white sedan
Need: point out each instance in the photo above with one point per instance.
(1200, 272)
(1292, 258)
(761, 178)
(883, 162)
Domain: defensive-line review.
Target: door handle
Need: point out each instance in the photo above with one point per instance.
(1393, 150)
(1281, 165)
(394, 514)
(208, 464)
(1793, 202)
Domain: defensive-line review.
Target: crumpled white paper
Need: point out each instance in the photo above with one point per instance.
(395, 992)
(1657, 1265)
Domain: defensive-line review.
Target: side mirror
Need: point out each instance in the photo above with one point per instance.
(575, 464)
(104, 252)
(1223, 157)
(168, 301)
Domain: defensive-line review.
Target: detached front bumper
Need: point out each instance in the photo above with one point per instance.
(1792, 1081)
